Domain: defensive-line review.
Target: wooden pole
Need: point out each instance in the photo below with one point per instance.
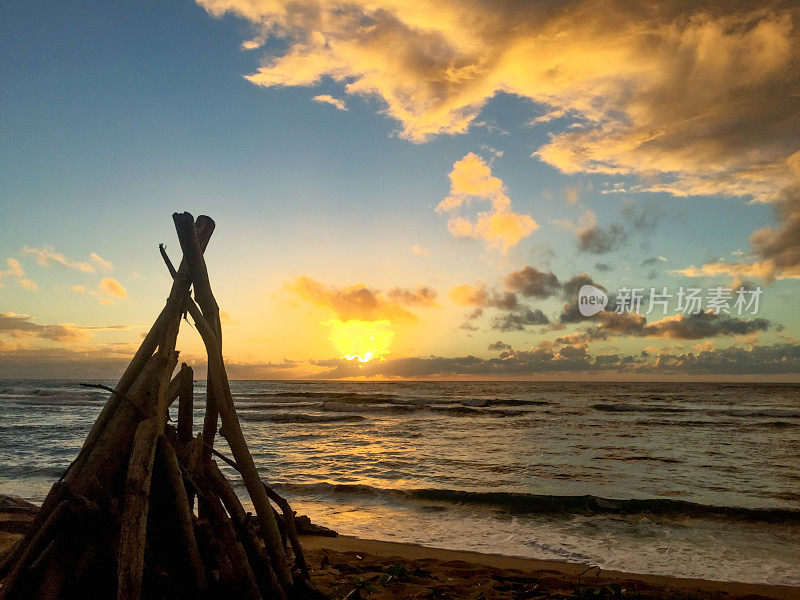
(183, 515)
(133, 533)
(218, 379)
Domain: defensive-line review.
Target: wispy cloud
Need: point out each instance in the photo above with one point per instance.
(328, 99)
(420, 251)
(46, 256)
(15, 270)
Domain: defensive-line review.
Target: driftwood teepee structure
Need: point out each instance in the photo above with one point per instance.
(144, 510)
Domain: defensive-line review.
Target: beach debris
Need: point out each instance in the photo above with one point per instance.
(144, 510)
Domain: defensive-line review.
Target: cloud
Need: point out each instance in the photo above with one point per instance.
(328, 99)
(517, 321)
(594, 239)
(108, 291)
(15, 270)
(500, 227)
(678, 327)
(776, 359)
(422, 296)
(570, 312)
(653, 260)
(102, 363)
(17, 325)
(29, 285)
(482, 297)
(498, 345)
(644, 217)
(113, 288)
(603, 267)
(46, 256)
(358, 301)
(419, 251)
(531, 282)
(693, 98)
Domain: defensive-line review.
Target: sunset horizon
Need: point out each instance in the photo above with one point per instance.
(380, 299)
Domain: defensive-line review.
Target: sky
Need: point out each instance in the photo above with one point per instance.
(407, 189)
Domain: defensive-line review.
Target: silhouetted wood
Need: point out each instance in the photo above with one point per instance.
(185, 404)
(183, 515)
(121, 518)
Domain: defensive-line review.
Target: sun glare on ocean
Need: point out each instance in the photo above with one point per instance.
(361, 340)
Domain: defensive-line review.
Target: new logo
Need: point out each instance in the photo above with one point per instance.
(591, 300)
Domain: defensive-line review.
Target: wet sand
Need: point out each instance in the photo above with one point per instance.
(383, 570)
(353, 568)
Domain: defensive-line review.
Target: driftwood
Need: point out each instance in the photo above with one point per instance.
(121, 521)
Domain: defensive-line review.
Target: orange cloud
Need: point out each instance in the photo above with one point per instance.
(500, 227)
(112, 287)
(108, 291)
(358, 302)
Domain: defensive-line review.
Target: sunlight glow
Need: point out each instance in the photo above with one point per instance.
(361, 340)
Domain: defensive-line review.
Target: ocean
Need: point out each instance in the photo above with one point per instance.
(686, 479)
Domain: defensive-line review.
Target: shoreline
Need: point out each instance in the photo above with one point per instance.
(382, 570)
(555, 574)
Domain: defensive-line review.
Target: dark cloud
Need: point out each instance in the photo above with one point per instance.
(653, 260)
(530, 282)
(594, 239)
(498, 345)
(63, 363)
(680, 327)
(644, 217)
(781, 245)
(570, 289)
(517, 321)
(23, 325)
(776, 359)
(603, 267)
(481, 296)
(422, 296)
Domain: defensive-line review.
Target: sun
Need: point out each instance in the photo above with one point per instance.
(361, 340)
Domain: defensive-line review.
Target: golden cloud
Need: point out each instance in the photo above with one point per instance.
(113, 288)
(500, 227)
(694, 98)
(358, 302)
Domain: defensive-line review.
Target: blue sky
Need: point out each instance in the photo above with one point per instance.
(114, 116)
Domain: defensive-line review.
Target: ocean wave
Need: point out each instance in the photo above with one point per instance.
(638, 408)
(351, 397)
(386, 409)
(485, 402)
(300, 418)
(518, 502)
(778, 413)
(465, 411)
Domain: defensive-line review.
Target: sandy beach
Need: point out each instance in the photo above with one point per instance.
(351, 567)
